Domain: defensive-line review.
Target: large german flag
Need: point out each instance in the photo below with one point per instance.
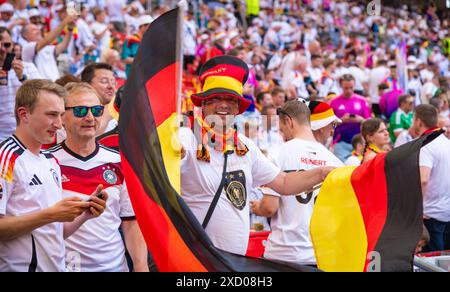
(151, 160)
(369, 218)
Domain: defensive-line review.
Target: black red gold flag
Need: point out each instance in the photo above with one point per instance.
(151, 160)
(369, 218)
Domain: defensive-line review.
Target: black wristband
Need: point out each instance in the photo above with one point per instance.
(24, 78)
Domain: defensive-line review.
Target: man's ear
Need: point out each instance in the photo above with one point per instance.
(22, 113)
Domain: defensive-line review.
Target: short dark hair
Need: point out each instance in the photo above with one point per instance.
(428, 114)
(235, 52)
(402, 98)
(260, 96)
(3, 30)
(266, 108)
(89, 71)
(357, 139)
(346, 77)
(277, 90)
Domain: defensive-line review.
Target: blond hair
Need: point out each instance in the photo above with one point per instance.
(28, 94)
(74, 88)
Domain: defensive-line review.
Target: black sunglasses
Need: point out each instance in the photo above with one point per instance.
(7, 45)
(82, 111)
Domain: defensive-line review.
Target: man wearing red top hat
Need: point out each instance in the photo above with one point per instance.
(219, 166)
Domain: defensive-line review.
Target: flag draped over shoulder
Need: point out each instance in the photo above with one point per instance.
(369, 218)
(151, 161)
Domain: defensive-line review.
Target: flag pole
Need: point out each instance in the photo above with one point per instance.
(182, 6)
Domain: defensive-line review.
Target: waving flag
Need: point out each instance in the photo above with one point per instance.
(151, 160)
(369, 218)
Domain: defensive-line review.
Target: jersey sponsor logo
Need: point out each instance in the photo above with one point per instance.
(35, 181)
(55, 176)
(110, 176)
(1, 191)
(235, 189)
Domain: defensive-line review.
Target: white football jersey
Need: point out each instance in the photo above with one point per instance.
(229, 227)
(290, 239)
(28, 184)
(97, 245)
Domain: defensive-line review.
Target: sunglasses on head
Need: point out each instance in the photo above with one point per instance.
(82, 111)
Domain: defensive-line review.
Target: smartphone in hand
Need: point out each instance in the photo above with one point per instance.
(8, 61)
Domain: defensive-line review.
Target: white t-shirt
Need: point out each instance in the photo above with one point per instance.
(376, 77)
(98, 28)
(360, 77)
(190, 38)
(403, 138)
(436, 156)
(297, 80)
(290, 239)
(98, 241)
(45, 60)
(352, 160)
(28, 184)
(315, 73)
(115, 9)
(229, 227)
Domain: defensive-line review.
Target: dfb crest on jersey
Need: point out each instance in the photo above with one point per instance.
(110, 176)
(55, 176)
(1, 191)
(235, 189)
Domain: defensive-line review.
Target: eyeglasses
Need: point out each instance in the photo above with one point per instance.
(106, 81)
(82, 111)
(6, 45)
(214, 100)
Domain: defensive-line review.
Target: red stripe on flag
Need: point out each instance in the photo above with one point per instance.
(168, 250)
(370, 186)
(162, 94)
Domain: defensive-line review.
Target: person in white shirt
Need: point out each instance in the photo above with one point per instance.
(10, 81)
(86, 39)
(116, 9)
(10, 21)
(290, 239)
(315, 70)
(190, 39)
(39, 50)
(231, 165)
(434, 165)
(376, 77)
(84, 165)
(361, 78)
(101, 30)
(34, 217)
